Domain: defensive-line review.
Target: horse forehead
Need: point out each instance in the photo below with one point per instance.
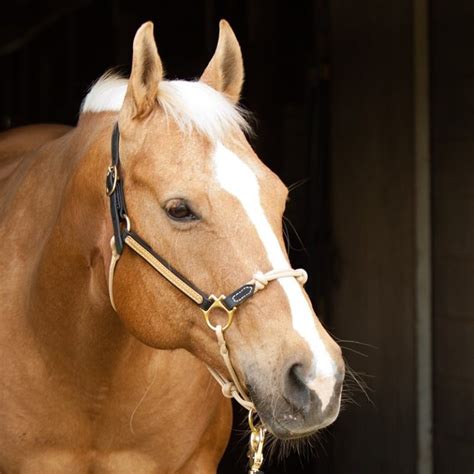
(229, 165)
(174, 154)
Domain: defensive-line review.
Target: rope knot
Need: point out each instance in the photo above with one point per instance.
(261, 281)
(302, 276)
(228, 389)
(223, 350)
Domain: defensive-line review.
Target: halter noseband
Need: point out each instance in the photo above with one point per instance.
(124, 236)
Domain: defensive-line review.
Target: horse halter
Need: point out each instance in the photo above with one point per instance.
(123, 235)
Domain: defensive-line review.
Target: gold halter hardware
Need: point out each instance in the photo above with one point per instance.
(217, 303)
(112, 169)
(257, 441)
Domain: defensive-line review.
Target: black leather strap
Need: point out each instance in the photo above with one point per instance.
(206, 301)
(239, 296)
(118, 209)
(116, 145)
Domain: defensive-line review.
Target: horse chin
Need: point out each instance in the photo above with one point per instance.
(292, 433)
(285, 422)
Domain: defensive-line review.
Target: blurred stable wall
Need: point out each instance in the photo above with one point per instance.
(453, 234)
(337, 88)
(402, 174)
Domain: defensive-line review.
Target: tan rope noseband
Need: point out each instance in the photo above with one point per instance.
(124, 236)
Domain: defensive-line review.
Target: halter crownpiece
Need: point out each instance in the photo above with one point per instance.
(124, 236)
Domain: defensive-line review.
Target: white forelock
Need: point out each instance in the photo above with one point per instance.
(192, 105)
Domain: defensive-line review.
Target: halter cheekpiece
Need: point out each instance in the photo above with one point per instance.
(124, 236)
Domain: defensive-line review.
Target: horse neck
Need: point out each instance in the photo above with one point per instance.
(72, 313)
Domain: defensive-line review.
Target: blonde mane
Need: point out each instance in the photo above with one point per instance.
(192, 105)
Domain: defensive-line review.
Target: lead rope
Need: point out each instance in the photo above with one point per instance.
(231, 389)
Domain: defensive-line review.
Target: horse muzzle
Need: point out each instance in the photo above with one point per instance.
(302, 403)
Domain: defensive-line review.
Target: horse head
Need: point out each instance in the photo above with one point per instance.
(198, 194)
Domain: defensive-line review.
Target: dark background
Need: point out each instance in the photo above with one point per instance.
(332, 85)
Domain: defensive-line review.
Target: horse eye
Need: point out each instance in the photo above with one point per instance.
(178, 210)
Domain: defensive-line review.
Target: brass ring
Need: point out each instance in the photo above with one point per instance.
(127, 222)
(251, 423)
(217, 303)
(112, 169)
(253, 428)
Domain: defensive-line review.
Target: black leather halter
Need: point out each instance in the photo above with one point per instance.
(125, 236)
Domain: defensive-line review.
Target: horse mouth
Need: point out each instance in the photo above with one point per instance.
(286, 422)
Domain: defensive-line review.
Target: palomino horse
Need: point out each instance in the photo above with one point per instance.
(90, 388)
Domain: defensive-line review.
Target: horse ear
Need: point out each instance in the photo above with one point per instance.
(147, 72)
(225, 71)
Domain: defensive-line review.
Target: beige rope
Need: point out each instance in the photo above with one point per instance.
(232, 389)
(113, 263)
(261, 280)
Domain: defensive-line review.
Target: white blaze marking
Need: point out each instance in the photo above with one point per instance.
(238, 179)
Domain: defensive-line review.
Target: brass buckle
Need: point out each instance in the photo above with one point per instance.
(217, 303)
(112, 169)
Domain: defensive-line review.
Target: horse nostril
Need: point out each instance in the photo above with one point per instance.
(295, 389)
